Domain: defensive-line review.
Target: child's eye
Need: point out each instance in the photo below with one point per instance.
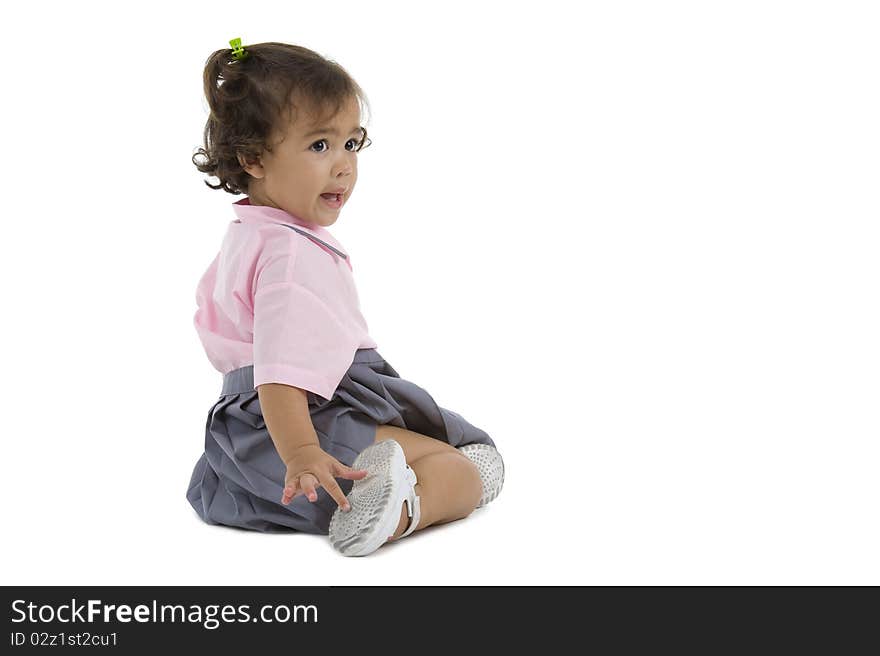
(355, 141)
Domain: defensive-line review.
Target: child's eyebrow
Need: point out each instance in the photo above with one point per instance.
(328, 130)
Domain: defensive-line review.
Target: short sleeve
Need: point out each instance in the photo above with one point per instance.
(275, 261)
(298, 340)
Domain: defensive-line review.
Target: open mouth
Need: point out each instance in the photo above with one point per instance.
(333, 200)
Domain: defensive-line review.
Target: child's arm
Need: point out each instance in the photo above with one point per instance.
(286, 411)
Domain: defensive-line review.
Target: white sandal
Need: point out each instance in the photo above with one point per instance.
(375, 501)
(491, 468)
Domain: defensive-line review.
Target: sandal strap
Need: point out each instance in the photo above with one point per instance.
(413, 506)
(415, 514)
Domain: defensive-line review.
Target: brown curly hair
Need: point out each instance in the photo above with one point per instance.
(248, 98)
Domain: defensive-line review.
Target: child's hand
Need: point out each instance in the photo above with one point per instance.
(311, 467)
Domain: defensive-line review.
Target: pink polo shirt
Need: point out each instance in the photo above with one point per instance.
(283, 299)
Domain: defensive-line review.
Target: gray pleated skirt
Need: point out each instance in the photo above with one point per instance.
(238, 480)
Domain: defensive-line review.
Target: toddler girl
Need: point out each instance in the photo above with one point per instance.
(313, 430)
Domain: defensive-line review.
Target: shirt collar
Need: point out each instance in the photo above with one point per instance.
(248, 213)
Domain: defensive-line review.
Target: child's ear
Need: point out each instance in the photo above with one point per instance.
(255, 168)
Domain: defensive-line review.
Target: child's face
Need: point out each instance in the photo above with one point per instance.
(304, 165)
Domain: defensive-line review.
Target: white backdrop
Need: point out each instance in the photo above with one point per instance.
(636, 242)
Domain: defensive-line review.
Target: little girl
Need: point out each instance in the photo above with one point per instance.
(306, 397)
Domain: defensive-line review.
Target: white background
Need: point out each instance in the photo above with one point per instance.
(636, 242)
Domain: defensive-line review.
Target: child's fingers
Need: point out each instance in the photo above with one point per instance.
(343, 471)
(303, 484)
(335, 492)
(308, 483)
(290, 493)
(292, 489)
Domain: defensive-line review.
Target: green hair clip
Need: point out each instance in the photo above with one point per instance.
(237, 51)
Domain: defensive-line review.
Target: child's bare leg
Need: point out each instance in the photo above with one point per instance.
(414, 445)
(448, 485)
